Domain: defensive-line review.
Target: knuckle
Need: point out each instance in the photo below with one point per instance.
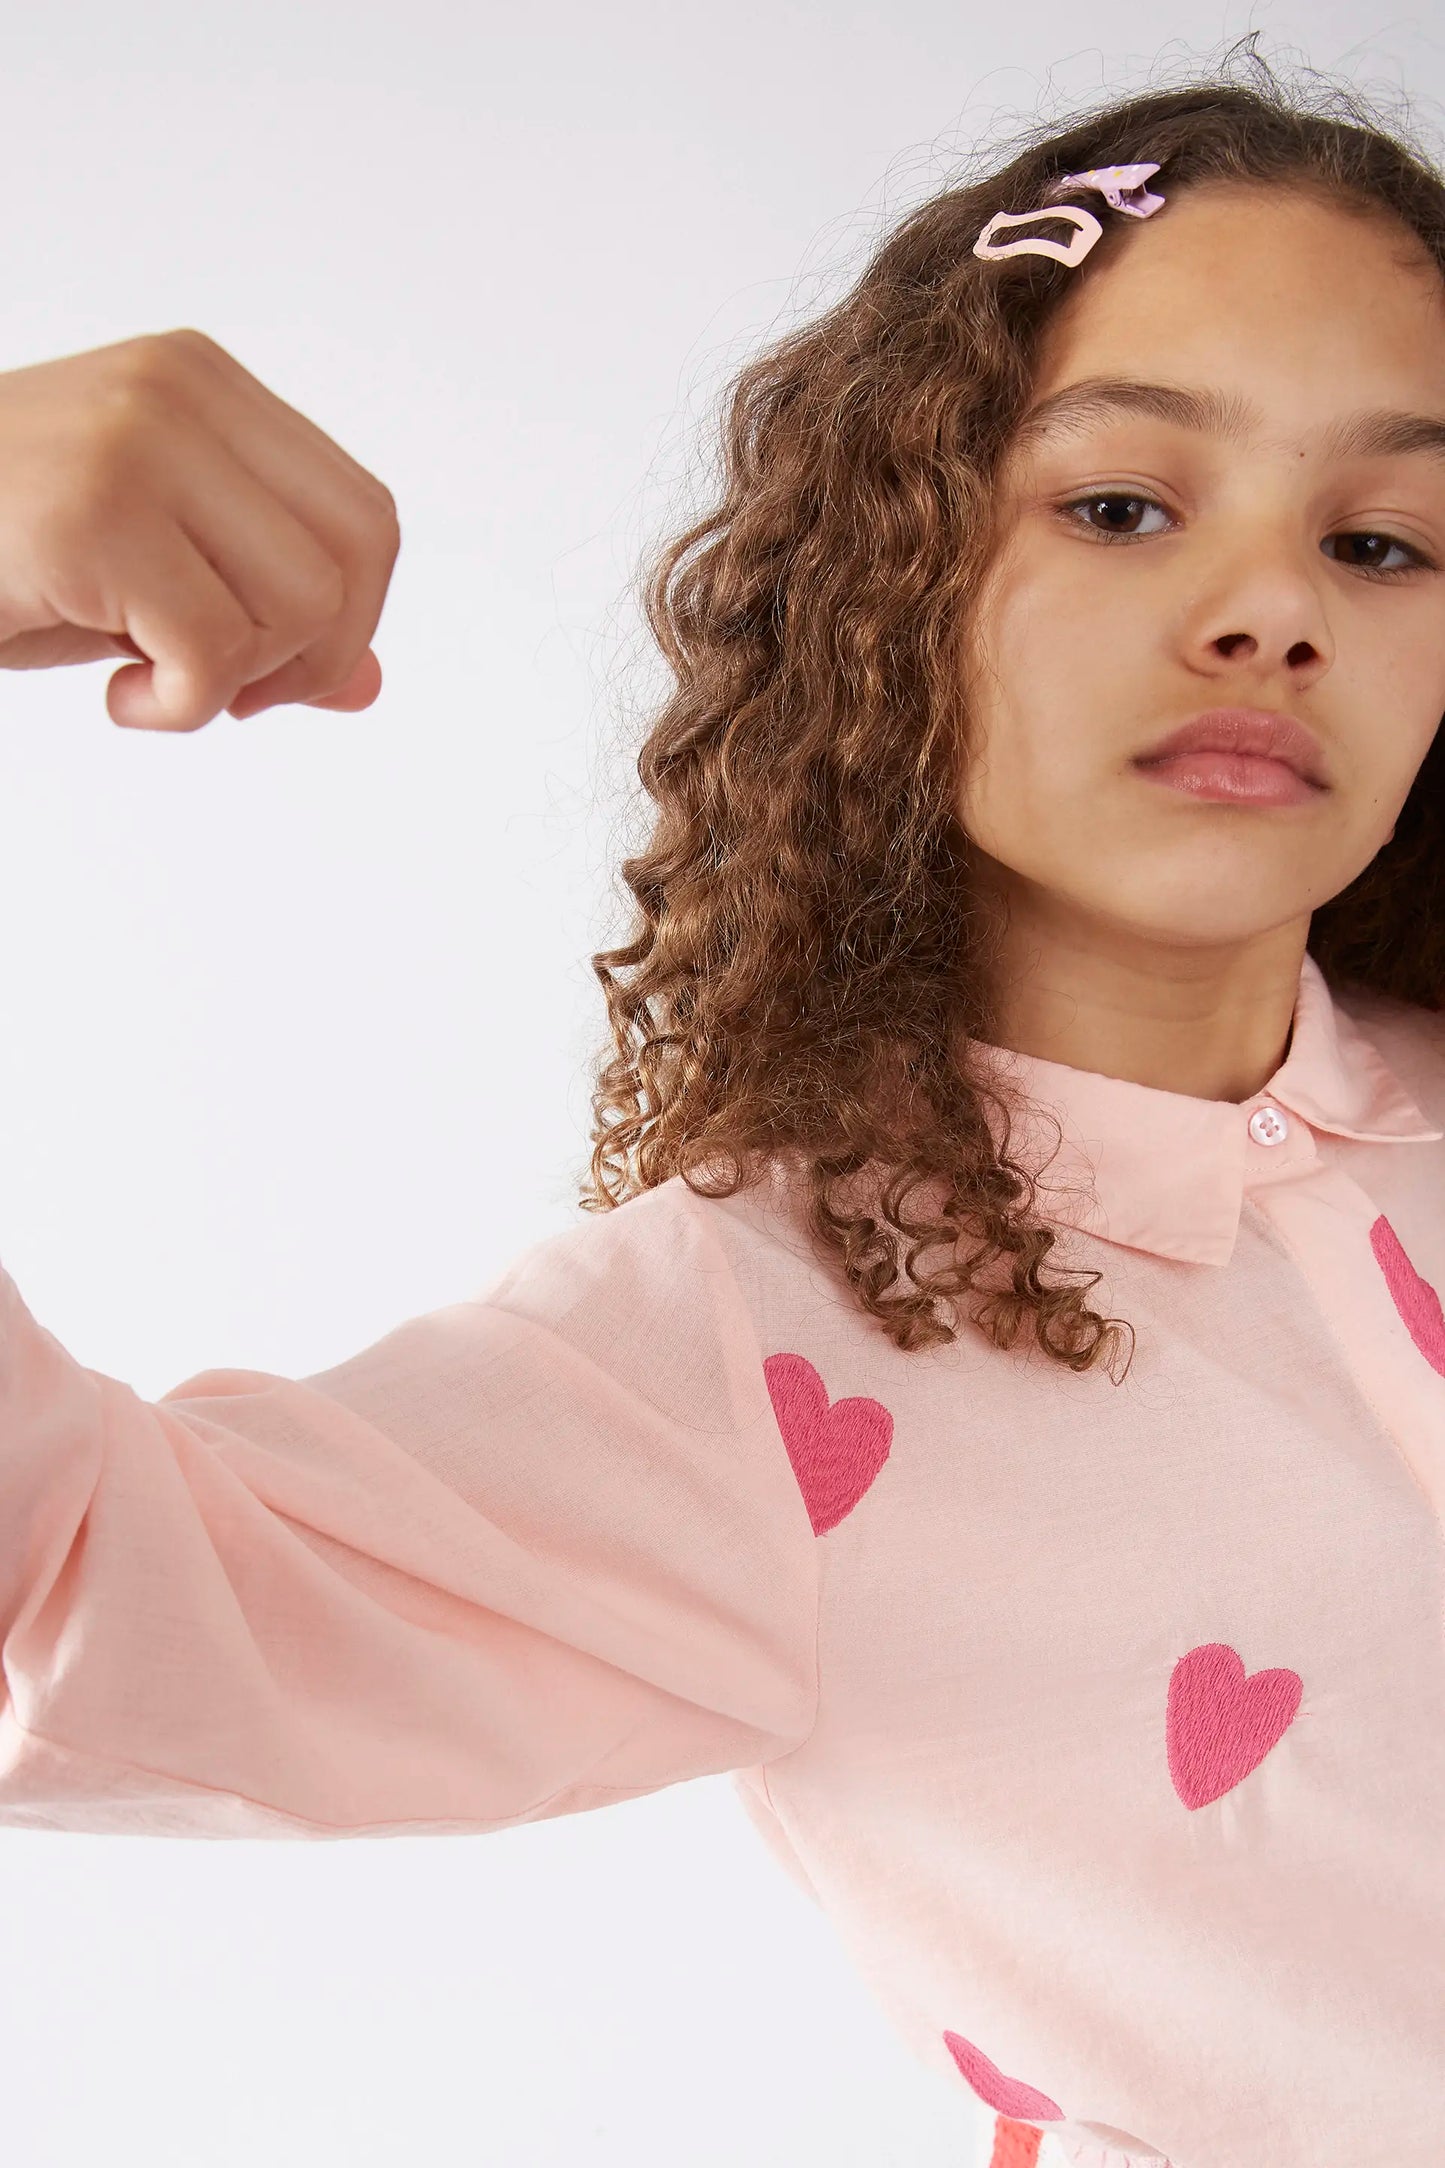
(147, 379)
(156, 352)
(187, 339)
(190, 348)
(150, 363)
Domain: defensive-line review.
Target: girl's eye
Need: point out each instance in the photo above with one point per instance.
(1111, 503)
(1121, 511)
(1372, 563)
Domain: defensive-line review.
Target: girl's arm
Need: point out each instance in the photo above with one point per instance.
(530, 1553)
(527, 1554)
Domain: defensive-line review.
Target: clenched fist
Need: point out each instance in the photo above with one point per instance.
(158, 502)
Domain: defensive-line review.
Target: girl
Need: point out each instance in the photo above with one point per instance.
(1046, 891)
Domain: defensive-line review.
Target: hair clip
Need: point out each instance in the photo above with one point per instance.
(1122, 188)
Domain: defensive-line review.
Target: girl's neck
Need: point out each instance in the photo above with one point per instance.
(1210, 1023)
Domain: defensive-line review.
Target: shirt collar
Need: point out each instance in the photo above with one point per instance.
(1162, 1172)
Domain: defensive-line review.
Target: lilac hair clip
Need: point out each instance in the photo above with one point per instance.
(1123, 188)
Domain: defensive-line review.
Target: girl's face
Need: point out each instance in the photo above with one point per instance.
(1250, 565)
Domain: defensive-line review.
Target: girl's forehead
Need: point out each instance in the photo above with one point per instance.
(1243, 373)
(1227, 277)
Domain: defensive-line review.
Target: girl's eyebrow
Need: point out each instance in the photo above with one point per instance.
(1373, 432)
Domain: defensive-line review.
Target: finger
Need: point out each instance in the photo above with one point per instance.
(333, 669)
(360, 690)
(200, 635)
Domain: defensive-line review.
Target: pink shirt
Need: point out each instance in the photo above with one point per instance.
(1107, 1723)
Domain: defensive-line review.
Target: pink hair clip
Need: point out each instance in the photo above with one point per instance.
(1122, 188)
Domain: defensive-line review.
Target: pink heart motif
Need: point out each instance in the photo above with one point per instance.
(836, 1451)
(1414, 1298)
(1007, 2096)
(1220, 1724)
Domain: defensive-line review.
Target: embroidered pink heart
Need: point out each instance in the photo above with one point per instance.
(1007, 2096)
(1414, 1298)
(836, 1451)
(1220, 1724)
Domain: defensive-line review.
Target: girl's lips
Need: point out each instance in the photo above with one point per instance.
(1236, 778)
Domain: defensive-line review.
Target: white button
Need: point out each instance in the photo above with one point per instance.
(1268, 1126)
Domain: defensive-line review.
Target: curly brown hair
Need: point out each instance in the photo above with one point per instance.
(812, 949)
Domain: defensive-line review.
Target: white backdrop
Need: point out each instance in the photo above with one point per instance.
(297, 1012)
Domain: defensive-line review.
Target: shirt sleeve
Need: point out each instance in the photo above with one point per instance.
(528, 1554)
